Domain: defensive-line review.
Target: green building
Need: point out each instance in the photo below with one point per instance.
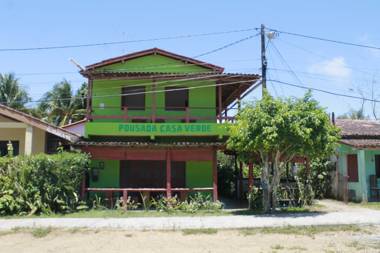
(155, 122)
(358, 166)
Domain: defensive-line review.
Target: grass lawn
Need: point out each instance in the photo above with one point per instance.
(113, 213)
(370, 205)
(305, 230)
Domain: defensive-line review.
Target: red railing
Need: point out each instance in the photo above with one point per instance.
(155, 114)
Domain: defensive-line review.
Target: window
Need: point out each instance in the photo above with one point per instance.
(377, 165)
(4, 148)
(135, 101)
(176, 100)
(352, 168)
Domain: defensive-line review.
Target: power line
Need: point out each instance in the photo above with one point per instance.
(286, 63)
(326, 91)
(227, 45)
(363, 70)
(185, 36)
(325, 39)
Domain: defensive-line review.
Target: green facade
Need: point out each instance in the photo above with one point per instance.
(198, 174)
(107, 99)
(366, 167)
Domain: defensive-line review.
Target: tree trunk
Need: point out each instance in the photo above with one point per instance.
(266, 186)
(276, 178)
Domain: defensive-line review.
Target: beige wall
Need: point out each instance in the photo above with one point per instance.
(39, 141)
(18, 134)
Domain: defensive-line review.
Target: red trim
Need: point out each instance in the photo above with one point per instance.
(168, 174)
(155, 51)
(121, 153)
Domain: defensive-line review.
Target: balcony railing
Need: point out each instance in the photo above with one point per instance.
(163, 114)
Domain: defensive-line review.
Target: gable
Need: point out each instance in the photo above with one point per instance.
(152, 60)
(8, 113)
(154, 63)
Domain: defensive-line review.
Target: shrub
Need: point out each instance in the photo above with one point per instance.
(41, 183)
(196, 202)
(227, 175)
(255, 196)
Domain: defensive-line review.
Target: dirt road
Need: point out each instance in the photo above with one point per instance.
(366, 239)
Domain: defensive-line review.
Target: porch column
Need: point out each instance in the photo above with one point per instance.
(250, 175)
(214, 176)
(154, 101)
(220, 103)
(168, 174)
(28, 140)
(362, 175)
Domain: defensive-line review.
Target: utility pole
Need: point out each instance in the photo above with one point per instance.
(263, 61)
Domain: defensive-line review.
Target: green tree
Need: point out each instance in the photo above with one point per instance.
(11, 92)
(276, 130)
(62, 105)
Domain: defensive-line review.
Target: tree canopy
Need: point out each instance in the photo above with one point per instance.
(12, 94)
(277, 130)
(62, 105)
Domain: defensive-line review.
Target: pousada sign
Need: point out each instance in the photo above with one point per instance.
(154, 129)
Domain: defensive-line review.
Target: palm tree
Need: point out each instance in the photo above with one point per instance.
(11, 92)
(354, 114)
(62, 106)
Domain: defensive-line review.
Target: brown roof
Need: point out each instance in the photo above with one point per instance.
(359, 133)
(75, 123)
(155, 51)
(351, 128)
(30, 120)
(362, 143)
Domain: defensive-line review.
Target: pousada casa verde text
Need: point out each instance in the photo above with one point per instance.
(155, 121)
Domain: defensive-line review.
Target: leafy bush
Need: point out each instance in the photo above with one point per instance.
(41, 183)
(255, 196)
(195, 203)
(321, 179)
(227, 175)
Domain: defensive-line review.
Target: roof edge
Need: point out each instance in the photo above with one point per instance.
(154, 50)
(35, 122)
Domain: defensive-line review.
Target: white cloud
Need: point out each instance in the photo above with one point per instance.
(335, 67)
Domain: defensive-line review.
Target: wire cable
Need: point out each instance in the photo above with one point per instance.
(325, 39)
(227, 45)
(185, 36)
(326, 91)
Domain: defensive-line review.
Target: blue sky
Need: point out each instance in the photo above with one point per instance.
(317, 64)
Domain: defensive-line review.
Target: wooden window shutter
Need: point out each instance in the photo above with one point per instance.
(352, 168)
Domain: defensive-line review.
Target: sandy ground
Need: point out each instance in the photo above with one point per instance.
(222, 241)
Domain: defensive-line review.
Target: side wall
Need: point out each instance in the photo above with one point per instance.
(366, 167)
(18, 134)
